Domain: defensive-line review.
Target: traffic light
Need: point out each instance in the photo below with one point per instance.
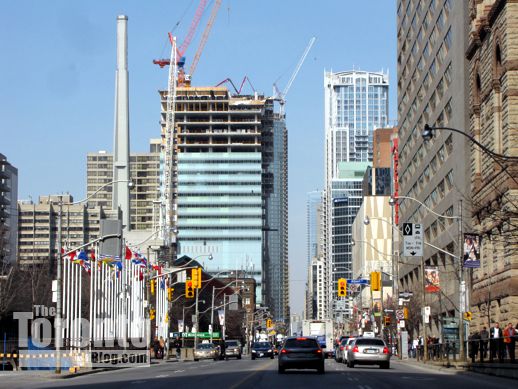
(405, 313)
(170, 293)
(199, 278)
(269, 323)
(151, 314)
(342, 287)
(387, 320)
(152, 286)
(468, 316)
(375, 281)
(189, 289)
(195, 277)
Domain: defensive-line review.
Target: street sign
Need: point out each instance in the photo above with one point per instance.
(200, 335)
(358, 282)
(405, 295)
(412, 240)
(400, 314)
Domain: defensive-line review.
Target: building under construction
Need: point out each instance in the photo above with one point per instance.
(229, 187)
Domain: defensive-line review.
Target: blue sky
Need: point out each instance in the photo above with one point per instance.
(57, 80)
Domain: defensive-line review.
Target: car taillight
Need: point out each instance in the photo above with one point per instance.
(385, 350)
(355, 349)
(341, 348)
(318, 351)
(284, 351)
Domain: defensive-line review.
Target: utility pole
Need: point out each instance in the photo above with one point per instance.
(59, 291)
(462, 288)
(197, 321)
(212, 314)
(423, 313)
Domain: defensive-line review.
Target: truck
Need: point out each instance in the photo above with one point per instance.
(322, 330)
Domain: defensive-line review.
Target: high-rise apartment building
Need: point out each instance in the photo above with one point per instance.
(38, 227)
(356, 103)
(144, 195)
(8, 212)
(231, 189)
(432, 84)
(493, 101)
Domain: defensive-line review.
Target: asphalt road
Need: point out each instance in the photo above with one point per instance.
(262, 374)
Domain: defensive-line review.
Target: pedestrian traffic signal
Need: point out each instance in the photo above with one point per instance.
(152, 287)
(189, 289)
(468, 316)
(151, 314)
(342, 287)
(170, 293)
(375, 281)
(387, 320)
(405, 313)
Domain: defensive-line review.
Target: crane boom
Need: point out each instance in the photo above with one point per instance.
(299, 65)
(192, 29)
(205, 36)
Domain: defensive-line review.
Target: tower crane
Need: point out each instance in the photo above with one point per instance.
(281, 96)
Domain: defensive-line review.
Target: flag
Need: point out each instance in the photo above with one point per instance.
(128, 253)
(92, 254)
(83, 256)
(162, 282)
(87, 266)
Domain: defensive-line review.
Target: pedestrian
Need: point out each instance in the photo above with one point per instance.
(415, 345)
(178, 346)
(496, 343)
(484, 337)
(161, 345)
(156, 347)
(473, 345)
(510, 341)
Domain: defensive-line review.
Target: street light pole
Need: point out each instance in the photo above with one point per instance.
(59, 276)
(462, 290)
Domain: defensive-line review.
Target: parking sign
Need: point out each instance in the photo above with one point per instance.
(412, 240)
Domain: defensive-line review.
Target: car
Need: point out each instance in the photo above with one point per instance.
(262, 350)
(232, 349)
(206, 351)
(368, 351)
(301, 353)
(340, 351)
(346, 348)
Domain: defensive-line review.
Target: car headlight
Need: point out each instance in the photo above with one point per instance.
(269, 351)
(253, 351)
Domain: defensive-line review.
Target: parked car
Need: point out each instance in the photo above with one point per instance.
(301, 353)
(232, 349)
(262, 350)
(346, 349)
(206, 351)
(368, 351)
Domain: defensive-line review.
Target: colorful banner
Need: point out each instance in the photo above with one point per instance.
(431, 276)
(180, 325)
(471, 250)
(221, 316)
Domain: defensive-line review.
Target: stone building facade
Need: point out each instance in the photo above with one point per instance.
(493, 64)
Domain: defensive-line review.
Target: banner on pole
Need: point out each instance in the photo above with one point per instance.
(432, 282)
(180, 325)
(471, 250)
(221, 316)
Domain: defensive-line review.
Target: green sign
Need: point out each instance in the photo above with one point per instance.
(200, 335)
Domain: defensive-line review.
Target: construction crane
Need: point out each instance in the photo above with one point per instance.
(281, 96)
(167, 189)
(183, 78)
(205, 36)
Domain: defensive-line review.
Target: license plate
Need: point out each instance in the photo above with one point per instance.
(261, 354)
(370, 351)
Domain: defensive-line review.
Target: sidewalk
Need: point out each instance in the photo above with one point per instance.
(508, 370)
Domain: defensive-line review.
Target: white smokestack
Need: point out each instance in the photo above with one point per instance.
(121, 163)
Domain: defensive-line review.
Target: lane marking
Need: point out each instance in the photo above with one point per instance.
(162, 376)
(137, 382)
(178, 371)
(264, 367)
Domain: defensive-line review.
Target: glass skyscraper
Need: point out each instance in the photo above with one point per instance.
(356, 103)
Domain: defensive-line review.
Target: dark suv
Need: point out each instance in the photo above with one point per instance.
(301, 353)
(262, 350)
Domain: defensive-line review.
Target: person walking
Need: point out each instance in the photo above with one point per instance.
(473, 346)
(161, 344)
(156, 347)
(178, 346)
(510, 341)
(496, 343)
(484, 337)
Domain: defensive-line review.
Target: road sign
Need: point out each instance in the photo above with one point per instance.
(358, 282)
(405, 295)
(412, 240)
(400, 314)
(200, 335)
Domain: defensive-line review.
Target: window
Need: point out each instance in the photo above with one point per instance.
(448, 38)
